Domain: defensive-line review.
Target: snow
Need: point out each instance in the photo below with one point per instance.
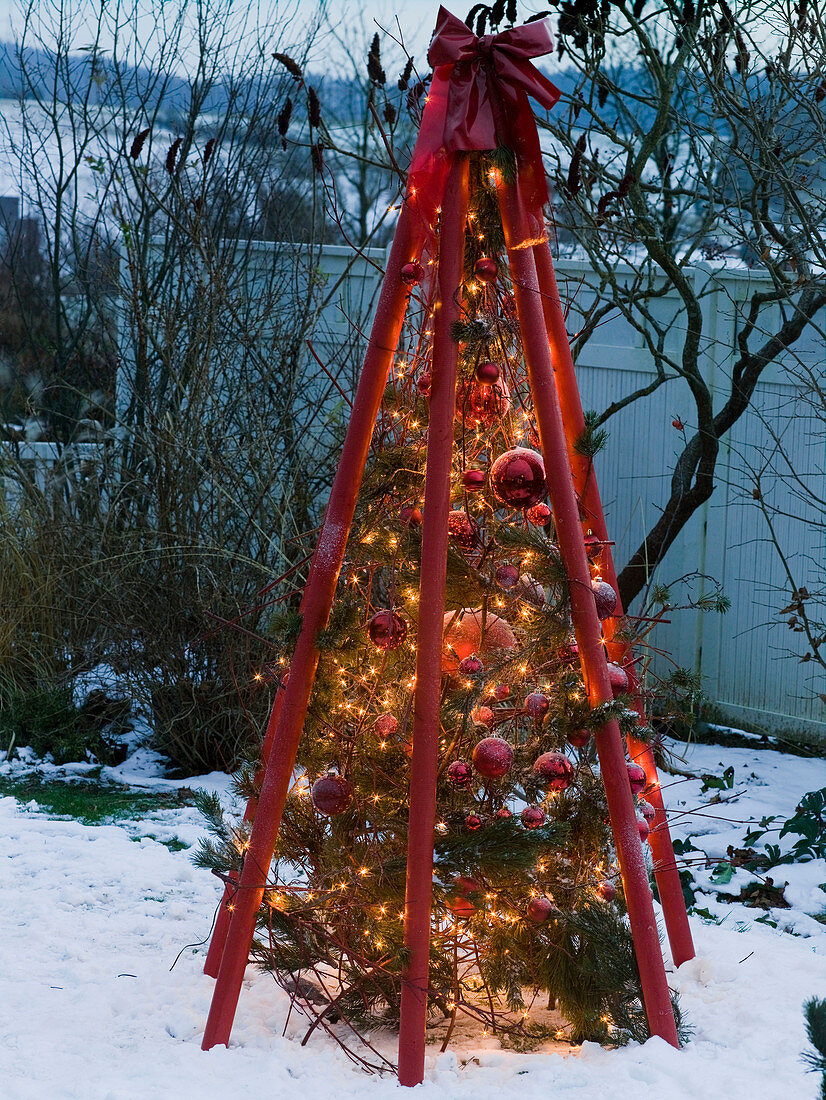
(92, 1007)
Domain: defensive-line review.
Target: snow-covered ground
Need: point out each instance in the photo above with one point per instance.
(93, 918)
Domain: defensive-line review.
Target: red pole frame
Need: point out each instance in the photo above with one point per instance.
(427, 699)
(666, 872)
(587, 627)
(316, 605)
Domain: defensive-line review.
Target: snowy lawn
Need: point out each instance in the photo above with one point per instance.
(93, 917)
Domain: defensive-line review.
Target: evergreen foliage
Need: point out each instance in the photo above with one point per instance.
(333, 911)
(815, 1012)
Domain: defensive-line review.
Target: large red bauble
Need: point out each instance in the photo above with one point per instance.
(410, 516)
(503, 813)
(473, 480)
(647, 810)
(461, 908)
(517, 477)
(386, 725)
(462, 530)
(605, 598)
(464, 636)
(539, 515)
(578, 738)
(482, 716)
(481, 406)
(536, 704)
(465, 886)
(488, 374)
(507, 576)
(412, 273)
(606, 890)
(471, 666)
(555, 770)
(539, 909)
(642, 826)
(387, 630)
(485, 269)
(593, 546)
(500, 692)
(493, 757)
(533, 817)
(473, 822)
(459, 773)
(618, 678)
(331, 794)
(636, 777)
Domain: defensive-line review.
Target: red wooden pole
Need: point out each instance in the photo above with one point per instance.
(426, 703)
(585, 483)
(219, 933)
(316, 605)
(583, 612)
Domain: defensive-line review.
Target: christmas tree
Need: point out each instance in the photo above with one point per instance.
(527, 903)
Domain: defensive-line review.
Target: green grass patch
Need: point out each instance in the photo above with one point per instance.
(93, 803)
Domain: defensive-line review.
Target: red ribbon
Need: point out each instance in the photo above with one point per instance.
(478, 100)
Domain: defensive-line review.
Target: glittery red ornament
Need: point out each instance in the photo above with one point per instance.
(500, 692)
(462, 530)
(488, 373)
(605, 597)
(424, 383)
(482, 716)
(493, 757)
(539, 909)
(473, 822)
(642, 826)
(539, 515)
(331, 794)
(647, 810)
(618, 678)
(532, 817)
(412, 273)
(461, 908)
(410, 517)
(578, 738)
(485, 269)
(569, 652)
(636, 777)
(471, 666)
(463, 636)
(459, 773)
(481, 406)
(536, 704)
(593, 546)
(517, 477)
(387, 630)
(386, 725)
(473, 480)
(607, 890)
(503, 813)
(555, 770)
(507, 576)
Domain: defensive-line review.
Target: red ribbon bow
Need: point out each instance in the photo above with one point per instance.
(478, 99)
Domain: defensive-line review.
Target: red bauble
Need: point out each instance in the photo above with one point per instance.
(618, 678)
(471, 666)
(387, 630)
(507, 576)
(536, 704)
(605, 598)
(500, 692)
(482, 716)
(464, 636)
(647, 810)
(461, 908)
(462, 530)
(331, 794)
(412, 273)
(410, 517)
(555, 770)
(636, 777)
(473, 480)
(578, 738)
(539, 909)
(488, 374)
(473, 822)
(539, 515)
(532, 817)
(459, 773)
(607, 890)
(424, 383)
(503, 813)
(386, 725)
(517, 477)
(593, 546)
(642, 826)
(482, 406)
(465, 886)
(493, 757)
(485, 269)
